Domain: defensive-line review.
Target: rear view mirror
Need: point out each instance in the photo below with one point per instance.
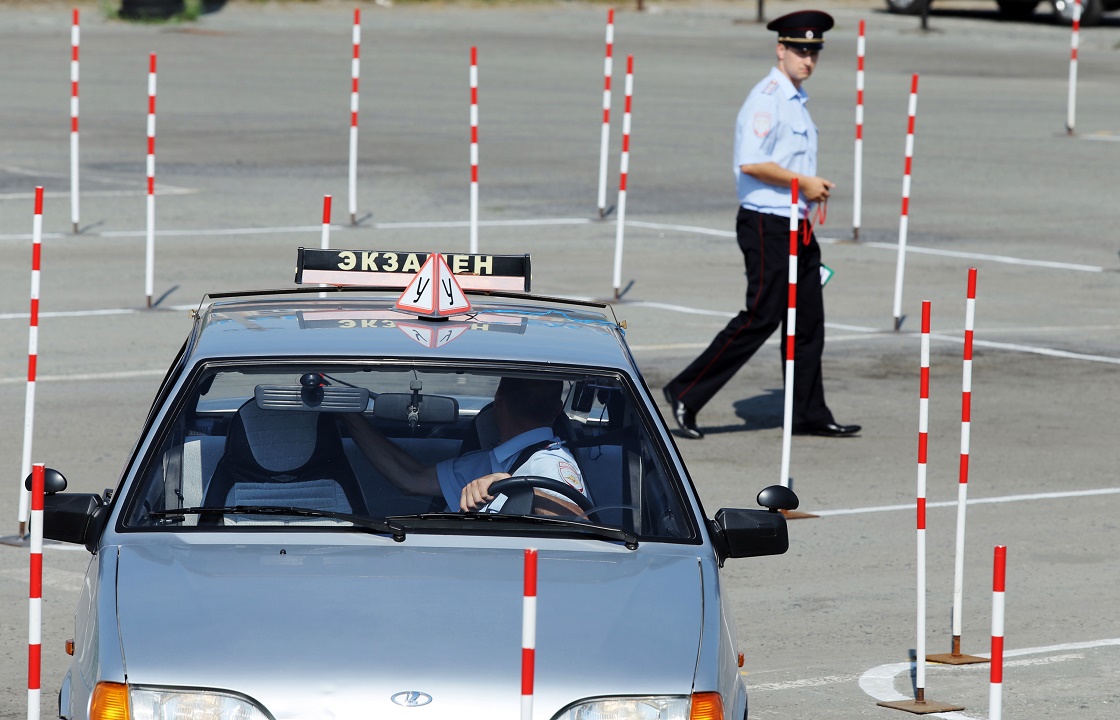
(427, 409)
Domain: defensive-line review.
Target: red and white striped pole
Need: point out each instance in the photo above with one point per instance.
(32, 360)
(354, 67)
(857, 203)
(923, 440)
(624, 170)
(325, 242)
(904, 221)
(326, 239)
(995, 689)
(962, 486)
(149, 264)
(528, 634)
(35, 606)
(74, 45)
(606, 134)
(1075, 42)
(474, 149)
(791, 331)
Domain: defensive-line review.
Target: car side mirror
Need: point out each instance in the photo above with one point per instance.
(754, 533)
(73, 518)
(750, 533)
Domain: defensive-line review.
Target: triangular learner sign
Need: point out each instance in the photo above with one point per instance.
(434, 291)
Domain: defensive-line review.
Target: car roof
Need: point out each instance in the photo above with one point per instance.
(345, 325)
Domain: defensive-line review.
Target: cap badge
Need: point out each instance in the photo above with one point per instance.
(808, 34)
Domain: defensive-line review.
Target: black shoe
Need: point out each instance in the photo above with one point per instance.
(686, 419)
(828, 430)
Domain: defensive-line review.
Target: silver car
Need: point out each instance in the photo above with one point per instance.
(253, 563)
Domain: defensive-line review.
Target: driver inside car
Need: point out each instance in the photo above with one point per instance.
(523, 412)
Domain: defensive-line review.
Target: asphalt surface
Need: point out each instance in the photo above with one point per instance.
(252, 131)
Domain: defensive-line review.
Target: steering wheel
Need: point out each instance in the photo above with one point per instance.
(519, 490)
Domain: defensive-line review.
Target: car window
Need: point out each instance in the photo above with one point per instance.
(284, 436)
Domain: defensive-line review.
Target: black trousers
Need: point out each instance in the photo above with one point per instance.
(764, 240)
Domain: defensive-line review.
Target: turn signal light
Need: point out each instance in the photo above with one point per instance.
(70, 646)
(706, 706)
(109, 702)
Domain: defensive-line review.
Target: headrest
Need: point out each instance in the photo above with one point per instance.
(279, 439)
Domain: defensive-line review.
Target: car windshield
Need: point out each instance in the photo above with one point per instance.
(349, 446)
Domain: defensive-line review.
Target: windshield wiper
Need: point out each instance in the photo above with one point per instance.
(600, 531)
(379, 526)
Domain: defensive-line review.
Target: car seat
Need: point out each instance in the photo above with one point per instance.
(482, 434)
(285, 458)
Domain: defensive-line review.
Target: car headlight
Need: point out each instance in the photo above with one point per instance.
(701, 706)
(191, 705)
(151, 704)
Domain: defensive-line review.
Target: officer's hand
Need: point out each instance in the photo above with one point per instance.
(476, 493)
(816, 189)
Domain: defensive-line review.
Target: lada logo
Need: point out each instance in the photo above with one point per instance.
(411, 698)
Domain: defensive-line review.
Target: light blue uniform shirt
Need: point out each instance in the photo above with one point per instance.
(774, 126)
(554, 462)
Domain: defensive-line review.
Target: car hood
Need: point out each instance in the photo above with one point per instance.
(336, 631)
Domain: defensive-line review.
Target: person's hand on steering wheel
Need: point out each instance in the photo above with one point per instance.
(476, 495)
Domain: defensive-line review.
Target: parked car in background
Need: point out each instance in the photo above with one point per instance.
(1091, 10)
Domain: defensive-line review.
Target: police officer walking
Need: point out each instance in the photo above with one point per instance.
(775, 142)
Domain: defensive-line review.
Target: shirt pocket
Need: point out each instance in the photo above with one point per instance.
(800, 136)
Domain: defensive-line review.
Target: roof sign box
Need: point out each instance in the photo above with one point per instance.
(392, 270)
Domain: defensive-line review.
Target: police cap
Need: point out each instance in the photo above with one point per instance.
(804, 29)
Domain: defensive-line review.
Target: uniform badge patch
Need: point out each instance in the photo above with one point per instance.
(761, 124)
(570, 475)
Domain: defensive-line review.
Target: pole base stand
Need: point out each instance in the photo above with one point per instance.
(951, 659)
(921, 707)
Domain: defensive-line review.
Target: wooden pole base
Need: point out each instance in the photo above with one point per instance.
(797, 514)
(958, 659)
(921, 707)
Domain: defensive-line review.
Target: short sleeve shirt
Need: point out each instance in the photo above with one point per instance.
(774, 126)
(553, 461)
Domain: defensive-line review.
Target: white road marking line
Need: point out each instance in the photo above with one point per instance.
(839, 680)
(888, 246)
(682, 228)
(139, 191)
(159, 190)
(700, 346)
(878, 682)
(1013, 347)
(936, 667)
(1031, 349)
(311, 229)
(797, 684)
(1006, 259)
(84, 377)
(482, 223)
(973, 501)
